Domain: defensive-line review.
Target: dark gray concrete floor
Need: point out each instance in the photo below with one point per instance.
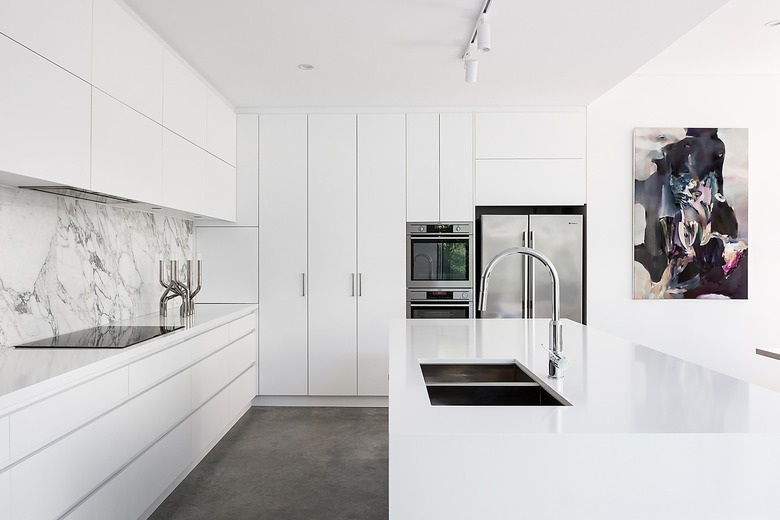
(290, 463)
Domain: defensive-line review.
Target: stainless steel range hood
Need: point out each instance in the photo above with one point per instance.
(79, 193)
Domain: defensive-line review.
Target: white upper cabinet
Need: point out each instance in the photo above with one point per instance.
(184, 101)
(127, 151)
(221, 129)
(531, 182)
(184, 174)
(61, 31)
(127, 60)
(220, 189)
(45, 122)
(531, 135)
(422, 167)
(456, 165)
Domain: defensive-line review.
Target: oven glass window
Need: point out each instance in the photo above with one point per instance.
(440, 259)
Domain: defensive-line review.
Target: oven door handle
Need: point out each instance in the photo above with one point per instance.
(438, 237)
(438, 304)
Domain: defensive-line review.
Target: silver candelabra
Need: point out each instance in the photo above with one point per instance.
(175, 286)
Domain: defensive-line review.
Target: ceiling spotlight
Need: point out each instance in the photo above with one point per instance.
(483, 34)
(470, 64)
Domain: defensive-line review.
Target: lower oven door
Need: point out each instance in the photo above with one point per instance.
(416, 310)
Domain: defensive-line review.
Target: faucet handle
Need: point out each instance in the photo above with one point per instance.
(557, 359)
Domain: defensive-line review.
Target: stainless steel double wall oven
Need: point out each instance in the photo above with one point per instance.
(440, 270)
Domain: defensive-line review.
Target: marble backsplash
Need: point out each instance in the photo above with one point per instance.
(67, 264)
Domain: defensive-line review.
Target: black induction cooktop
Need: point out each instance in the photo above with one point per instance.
(106, 336)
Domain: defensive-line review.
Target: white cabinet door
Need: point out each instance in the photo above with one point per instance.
(220, 189)
(184, 174)
(221, 129)
(381, 243)
(127, 154)
(332, 255)
(59, 31)
(456, 178)
(422, 167)
(127, 61)
(531, 135)
(283, 309)
(45, 122)
(530, 182)
(184, 101)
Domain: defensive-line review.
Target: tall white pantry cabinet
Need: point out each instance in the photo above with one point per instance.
(332, 272)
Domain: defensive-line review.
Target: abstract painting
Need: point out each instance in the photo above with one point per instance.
(690, 213)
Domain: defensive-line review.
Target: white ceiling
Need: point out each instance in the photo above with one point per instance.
(407, 52)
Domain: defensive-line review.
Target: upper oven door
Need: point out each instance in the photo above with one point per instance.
(439, 261)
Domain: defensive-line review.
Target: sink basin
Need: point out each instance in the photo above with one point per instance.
(474, 373)
(526, 394)
(485, 384)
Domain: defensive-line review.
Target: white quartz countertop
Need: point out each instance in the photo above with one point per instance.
(28, 373)
(614, 386)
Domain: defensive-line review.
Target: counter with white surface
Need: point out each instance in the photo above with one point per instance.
(133, 421)
(647, 436)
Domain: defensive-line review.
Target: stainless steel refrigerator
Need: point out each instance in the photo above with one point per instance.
(520, 287)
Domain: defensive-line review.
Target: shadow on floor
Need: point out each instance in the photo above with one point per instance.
(290, 463)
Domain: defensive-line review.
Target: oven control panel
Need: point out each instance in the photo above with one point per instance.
(439, 295)
(439, 228)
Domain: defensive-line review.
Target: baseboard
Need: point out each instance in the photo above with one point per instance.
(316, 400)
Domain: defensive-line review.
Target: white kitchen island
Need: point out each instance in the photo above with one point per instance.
(648, 436)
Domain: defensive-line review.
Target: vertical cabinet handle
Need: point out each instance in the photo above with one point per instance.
(353, 284)
(303, 284)
(360, 284)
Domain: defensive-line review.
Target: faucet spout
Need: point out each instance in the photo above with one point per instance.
(556, 327)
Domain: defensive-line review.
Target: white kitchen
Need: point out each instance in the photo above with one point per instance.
(211, 211)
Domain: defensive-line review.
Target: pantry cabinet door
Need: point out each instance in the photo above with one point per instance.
(332, 255)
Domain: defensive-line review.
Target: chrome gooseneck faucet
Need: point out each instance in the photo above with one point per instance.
(557, 361)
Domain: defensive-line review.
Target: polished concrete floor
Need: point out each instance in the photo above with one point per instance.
(290, 463)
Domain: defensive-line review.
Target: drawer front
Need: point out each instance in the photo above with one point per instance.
(76, 464)
(210, 341)
(5, 494)
(4, 441)
(58, 414)
(242, 354)
(241, 392)
(129, 494)
(208, 422)
(242, 326)
(210, 376)
(157, 367)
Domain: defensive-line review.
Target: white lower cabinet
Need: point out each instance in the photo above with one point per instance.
(329, 285)
(118, 462)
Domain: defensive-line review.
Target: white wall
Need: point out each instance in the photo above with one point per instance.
(721, 335)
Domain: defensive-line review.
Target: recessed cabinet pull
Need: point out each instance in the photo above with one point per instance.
(360, 284)
(303, 284)
(353, 284)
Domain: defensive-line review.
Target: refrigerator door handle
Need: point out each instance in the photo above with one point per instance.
(524, 277)
(531, 280)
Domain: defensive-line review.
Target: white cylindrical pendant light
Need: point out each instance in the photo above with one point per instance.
(483, 34)
(471, 70)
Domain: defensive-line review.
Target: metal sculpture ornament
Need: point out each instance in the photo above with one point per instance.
(690, 213)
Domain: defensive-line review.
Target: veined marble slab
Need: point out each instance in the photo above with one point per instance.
(67, 264)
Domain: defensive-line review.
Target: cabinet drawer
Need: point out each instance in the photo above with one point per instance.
(242, 354)
(128, 495)
(157, 367)
(76, 464)
(44, 421)
(529, 182)
(241, 392)
(5, 494)
(209, 377)
(208, 342)
(4, 441)
(242, 327)
(208, 422)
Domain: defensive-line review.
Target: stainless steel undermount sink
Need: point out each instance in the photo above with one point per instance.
(485, 384)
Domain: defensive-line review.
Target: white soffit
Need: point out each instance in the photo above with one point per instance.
(407, 52)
